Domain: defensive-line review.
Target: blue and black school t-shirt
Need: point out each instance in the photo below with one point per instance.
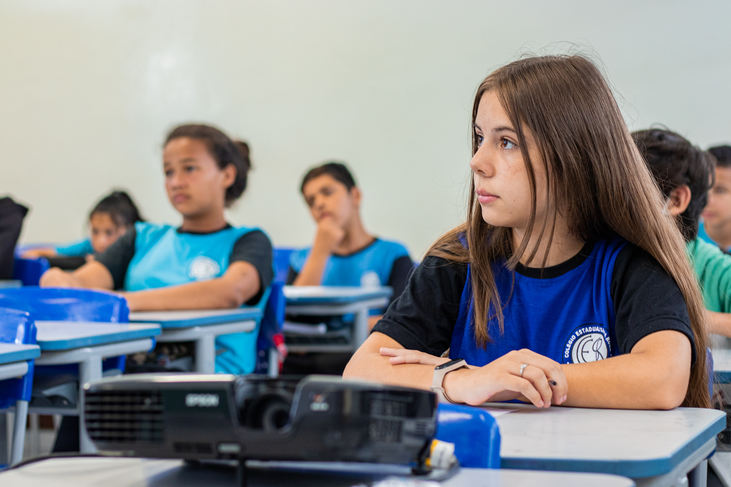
(380, 263)
(150, 256)
(598, 304)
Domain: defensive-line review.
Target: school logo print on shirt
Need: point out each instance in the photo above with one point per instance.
(588, 343)
(203, 268)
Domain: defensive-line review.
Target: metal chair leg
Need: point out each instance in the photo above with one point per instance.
(21, 417)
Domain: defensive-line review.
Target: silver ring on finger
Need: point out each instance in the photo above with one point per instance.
(522, 368)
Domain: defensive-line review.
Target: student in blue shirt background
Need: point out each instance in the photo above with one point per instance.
(205, 263)
(110, 218)
(568, 283)
(343, 253)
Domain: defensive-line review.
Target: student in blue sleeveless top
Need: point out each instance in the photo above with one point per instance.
(568, 284)
(204, 263)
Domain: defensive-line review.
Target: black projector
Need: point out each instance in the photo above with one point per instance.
(205, 416)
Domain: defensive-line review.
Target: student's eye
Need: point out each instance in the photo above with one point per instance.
(189, 168)
(327, 191)
(506, 144)
(168, 173)
(720, 191)
(479, 138)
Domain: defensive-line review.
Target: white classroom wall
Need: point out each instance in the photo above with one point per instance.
(89, 88)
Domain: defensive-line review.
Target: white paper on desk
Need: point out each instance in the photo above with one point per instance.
(495, 412)
(304, 328)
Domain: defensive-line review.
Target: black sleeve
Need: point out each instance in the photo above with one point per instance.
(11, 222)
(291, 276)
(256, 249)
(118, 256)
(424, 315)
(646, 299)
(400, 272)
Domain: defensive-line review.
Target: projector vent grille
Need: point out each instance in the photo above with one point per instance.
(125, 417)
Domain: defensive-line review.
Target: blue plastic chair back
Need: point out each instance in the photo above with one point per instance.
(474, 432)
(271, 325)
(29, 271)
(281, 263)
(64, 304)
(16, 327)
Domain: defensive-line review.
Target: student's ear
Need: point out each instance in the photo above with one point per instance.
(679, 200)
(356, 195)
(229, 175)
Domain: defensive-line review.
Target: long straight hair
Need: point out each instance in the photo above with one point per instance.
(596, 177)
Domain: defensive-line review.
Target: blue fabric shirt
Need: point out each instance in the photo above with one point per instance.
(165, 257)
(369, 267)
(582, 327)
(80, 248)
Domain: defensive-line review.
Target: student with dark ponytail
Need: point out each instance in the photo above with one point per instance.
(112, 216)
(205, 263)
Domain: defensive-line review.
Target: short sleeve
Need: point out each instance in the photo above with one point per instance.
(256, 249)
(79, 248)
(118, 256)
(424, 315)
(400, 272)
(646, 300)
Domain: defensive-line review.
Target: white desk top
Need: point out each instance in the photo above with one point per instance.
(333, 294)
(630, 443)
(66, 335)
(127, 472)
(10, 352)
(189, 318)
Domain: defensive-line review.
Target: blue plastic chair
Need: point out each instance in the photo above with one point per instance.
(281, 263)
(61, 304)
(29, 271)
(474, 433)
(17, 327)
(270, 347)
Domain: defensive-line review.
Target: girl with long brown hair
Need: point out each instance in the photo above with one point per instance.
(568, 283)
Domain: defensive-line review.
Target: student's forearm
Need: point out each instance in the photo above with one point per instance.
(33, 253)
(719, 323)
(90, 276)
(312, 271)
(230, 291)
(654, 376)
(368, 364)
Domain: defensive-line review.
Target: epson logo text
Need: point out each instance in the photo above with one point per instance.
(201, 400)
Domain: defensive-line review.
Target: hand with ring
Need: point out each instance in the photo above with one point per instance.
(520, 374)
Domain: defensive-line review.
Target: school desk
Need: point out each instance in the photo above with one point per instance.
(654, 448)
(87, 343)
(201, 327)
(13, 363)
(337, 301)
(127, 472)
(721, 461)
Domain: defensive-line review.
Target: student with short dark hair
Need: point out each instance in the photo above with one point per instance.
(205, 263)
(716, 225)
(684, 174)
(110, 218)
(568, 284)
(343, 252)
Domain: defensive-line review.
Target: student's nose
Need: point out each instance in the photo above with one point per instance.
(482, 163)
